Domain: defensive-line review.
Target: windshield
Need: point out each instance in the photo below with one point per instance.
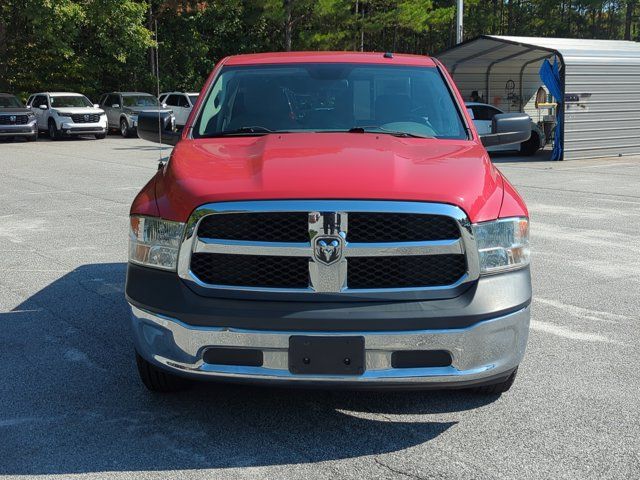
(360, 98)
(139, 101)
(193, 98)
(70, 101)
(9, 101)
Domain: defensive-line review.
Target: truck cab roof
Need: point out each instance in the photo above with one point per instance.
(329, 57)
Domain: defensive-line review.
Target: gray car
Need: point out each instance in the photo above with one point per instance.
(123, 108)
(16, 120)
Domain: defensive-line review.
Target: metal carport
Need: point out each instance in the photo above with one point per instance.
(600, 78)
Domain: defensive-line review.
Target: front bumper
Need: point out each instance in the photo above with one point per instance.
(485, 331)
(486, 351)
(132, 121)
(70, 128)
(27, 130)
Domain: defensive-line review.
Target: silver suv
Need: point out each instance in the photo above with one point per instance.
(16, 120)
(67, 114)
(123, 107)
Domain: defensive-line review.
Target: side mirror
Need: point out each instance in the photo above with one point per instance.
(508, 128)
(115, 105)
(43, 107)
(95, 105)
(162, 131)
(164, 105)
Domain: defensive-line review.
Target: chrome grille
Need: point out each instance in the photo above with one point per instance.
(329, 249)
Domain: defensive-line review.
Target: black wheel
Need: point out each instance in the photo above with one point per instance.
(497, 388)
(531, 146)
(157, 380)
(100, 136)
(124, 128)
(54, 134)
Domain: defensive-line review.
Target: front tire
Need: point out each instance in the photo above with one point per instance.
(157, 380)
(54, 134)
(124, 128)
(497, 388)
(531, 146)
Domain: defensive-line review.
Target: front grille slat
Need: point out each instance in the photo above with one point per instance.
(251, 270)
(405, 272)
(258, 227)
(367, 227)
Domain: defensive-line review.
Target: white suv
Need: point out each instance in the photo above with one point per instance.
(181, 103)
(67, 114)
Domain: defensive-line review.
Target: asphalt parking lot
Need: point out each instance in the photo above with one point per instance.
(71, 402)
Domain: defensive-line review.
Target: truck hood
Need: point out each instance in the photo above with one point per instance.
(329, 166)
(15, 111)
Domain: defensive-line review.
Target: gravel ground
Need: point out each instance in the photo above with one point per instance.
(71, 403)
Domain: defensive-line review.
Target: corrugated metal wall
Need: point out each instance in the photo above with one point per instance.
(602, 112)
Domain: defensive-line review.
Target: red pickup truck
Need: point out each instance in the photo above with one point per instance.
(330, 219)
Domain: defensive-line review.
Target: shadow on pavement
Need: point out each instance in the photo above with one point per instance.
(72, 402)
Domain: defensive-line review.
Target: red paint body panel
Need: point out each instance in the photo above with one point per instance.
(330, 165)
(145, 201)
(512, 203)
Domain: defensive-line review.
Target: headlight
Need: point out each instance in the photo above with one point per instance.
(502, 244)
(62, 114)
(155, 242)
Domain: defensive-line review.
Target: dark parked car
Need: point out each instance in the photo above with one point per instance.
(123, 107)
(16, 120)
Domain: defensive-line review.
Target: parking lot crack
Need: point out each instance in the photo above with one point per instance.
(396, 471)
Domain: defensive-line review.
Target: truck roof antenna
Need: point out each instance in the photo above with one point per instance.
(157, 72)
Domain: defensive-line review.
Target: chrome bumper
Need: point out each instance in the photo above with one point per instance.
(484, 350)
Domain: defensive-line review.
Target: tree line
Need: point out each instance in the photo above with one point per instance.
(94, 46)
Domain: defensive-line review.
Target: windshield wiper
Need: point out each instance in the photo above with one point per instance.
(395, 133)
(252, 130)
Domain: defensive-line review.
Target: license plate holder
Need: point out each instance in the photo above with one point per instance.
(314, 355)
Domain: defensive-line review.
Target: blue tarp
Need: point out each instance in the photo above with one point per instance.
(550, 76)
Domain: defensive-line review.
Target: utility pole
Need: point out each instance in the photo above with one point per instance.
(459, 17)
